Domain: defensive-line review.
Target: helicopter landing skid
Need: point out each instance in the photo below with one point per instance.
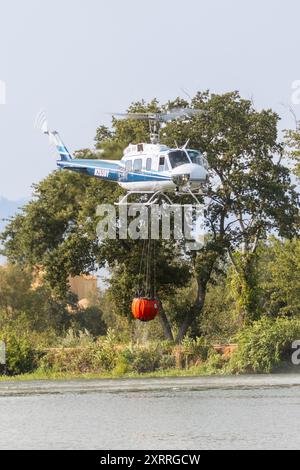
(148, 198)
(155, 197)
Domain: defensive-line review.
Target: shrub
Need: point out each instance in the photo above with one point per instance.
(107, 355)
(20, 355)
(264, 344)
(76, 338)
(124, 362)
(167, 361)
(73, 360)
(83, 354)
(145, 360)
(196, 349)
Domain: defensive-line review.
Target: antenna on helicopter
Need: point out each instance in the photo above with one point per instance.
(156, 119)
(186, 144)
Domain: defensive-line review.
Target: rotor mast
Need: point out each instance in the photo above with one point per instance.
(154, 128)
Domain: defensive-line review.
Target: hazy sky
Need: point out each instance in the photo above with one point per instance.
(79, 59)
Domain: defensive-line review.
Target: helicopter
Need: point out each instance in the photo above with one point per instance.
(151, 169)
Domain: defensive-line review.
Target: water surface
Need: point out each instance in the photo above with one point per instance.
(253, 412)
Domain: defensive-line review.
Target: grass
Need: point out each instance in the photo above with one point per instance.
(39, 374)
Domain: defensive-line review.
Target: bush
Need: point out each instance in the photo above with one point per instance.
(264, 345)
(70, 360)
(76, 338)
(124, 363)
(107, 355)
(20, 355)
(195, 349)
(82, 354)
(145, 360)
(141, 359)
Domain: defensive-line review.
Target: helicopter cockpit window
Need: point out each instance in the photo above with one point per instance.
(177, 158)
(195, 157)
(137, 164)
(198, 158)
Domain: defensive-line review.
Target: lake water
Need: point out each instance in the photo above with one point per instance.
(253, 412)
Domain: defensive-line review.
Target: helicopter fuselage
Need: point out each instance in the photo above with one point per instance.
(146, 167)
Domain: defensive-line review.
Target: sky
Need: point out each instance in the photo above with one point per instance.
(81, 59)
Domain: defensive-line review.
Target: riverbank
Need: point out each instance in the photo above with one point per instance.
(261, 347)
(198, 372)
(51, 375)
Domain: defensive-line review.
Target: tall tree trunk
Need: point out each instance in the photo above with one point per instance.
(246, 290)
(194, 312)
(165, 324)
(203, 270)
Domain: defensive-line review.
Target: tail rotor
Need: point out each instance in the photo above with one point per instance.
(41, 123)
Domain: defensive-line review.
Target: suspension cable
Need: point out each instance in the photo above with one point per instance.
(147, 269)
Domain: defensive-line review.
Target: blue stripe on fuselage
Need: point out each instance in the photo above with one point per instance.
(115, 172)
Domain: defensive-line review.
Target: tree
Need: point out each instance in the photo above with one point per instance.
(279, 277)
(292, 147)
(250, 191)
(57, 228)
(29, 303)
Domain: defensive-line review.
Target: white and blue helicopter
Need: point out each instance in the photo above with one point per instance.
(146, 168)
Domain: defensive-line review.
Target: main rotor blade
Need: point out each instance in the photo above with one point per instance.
(171, 115)
(182, 113)
(136, 115)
